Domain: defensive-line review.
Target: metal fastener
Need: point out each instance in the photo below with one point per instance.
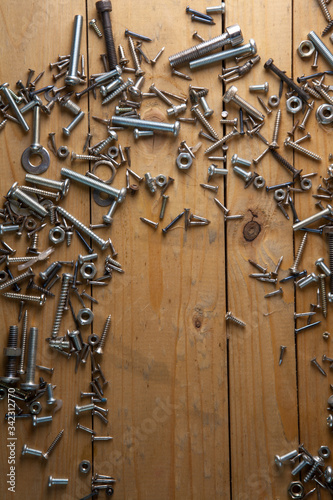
(248, 49)
(259, 88)
(29, 384)
(231, 95)
(52, 481)
(94, 26)
(71, 77)
(123, 121)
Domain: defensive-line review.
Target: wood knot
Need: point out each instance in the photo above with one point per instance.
(251, 230)
(198, 318)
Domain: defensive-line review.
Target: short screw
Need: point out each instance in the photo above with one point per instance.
(274, 143)
(94, 26)
(230, 317)
(236, 160)
(312, 278)
(214, 170)
(243, 173)
(57, 481)
(231, 95)
(163, 207)
(282, 351)
(280, 460)
(41, 420)
(31, 451)
(259, 88)
(81, 409)
(222, 141)
(317, 462)
(51, 400)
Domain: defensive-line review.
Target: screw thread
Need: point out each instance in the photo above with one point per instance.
(84, 157)
(300, 252)
(311, 91)
(328, 28)
(324, 94)
(311, 472)
(107, 141)
(306, 152)
(17, 279)
(106, 330)
(134, 55)
(53, 444)
(71, 106)
(276, 126)
(235, 320)
(31, 355)
(23, 342)
(324, 9)
(204, 122)
(118, 91)
(96, 29)
(11, 360)
(61, 304)
(247, 107)
(322, 285)
(221, 141)
(20, 296)
(330, 248)
(199, 50)
(103, 244)
(284, 162)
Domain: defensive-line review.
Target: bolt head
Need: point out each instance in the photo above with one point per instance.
(268, 63)
(235, 34)
(230, 93)
(234, 159)
(50, 481)
(12, 190)
(108, 220)
(330, 297)
(278, 461)
(65, 186)
(329, 229)
(26, 386)
(104, 6)
(253, 49)
(93, 21)
(66, 132)
(266, 87)
(122, 195)
(319, 261)
(9, 380)
(42, 299)
(176, 128)
(72, 80)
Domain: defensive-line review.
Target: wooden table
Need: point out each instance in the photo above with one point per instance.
(197, 407)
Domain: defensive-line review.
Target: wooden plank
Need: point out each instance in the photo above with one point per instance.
(167, 349)
(34, 40)
(263, 404)
(314, 389)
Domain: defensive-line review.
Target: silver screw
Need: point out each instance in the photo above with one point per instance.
(231, 95)
(17, 279)
(176, 110)
(8, 229)
(61, 186)
(317, 462)
(306, 460)
(321, 264)
(94, 26)
(53, 445)
(321, 47)
(322, 285)
(306, 116)
(274, 143)
(40, 420)
(112, 137)
(230, 317)
(86, 429)
(236, 160)
(145, 124)
(106, 329)
(221, 141)
(313, 218)
(84, 229)
(279, 460)
(199, 115)
(21, 370)
(36, 146)
(243, 173)
(106, 89)
(108, 218)
(12, 352)
(72, 78)
(232, 35)
(74, 157)
(41, 192)
(66, 280)
(71, 106)
(31, 451)
(288, 143)
(51, 400)
(29, 298)
(118, 91)
(229, 122)
(138, 69)
(312, 278)
(52, 481)
(142, 133)
(29, 384)
(67, 130)
(294, 267)
(259, 88)
(282, 351)
(14, 106)
(16, 192)
(214, 170)
(81, 409)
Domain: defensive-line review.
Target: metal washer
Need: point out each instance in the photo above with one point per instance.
(29, 167)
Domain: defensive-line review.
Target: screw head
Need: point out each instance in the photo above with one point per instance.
(12, 190)
(9, 380)
(278, 461)
(330, 297)
(268, 63)
(26, 386)
(234, 159)
(253, 49)
(176, 128)
(50, 481)
(65, 187)
(104, 6)
(230, 93)
(235, 34)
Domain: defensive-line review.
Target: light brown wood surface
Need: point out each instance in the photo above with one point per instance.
(197, 407)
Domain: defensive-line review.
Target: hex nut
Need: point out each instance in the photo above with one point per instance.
(85, 466)
(296, 490)
(184, 161)
(324, 452)
(306, 184)
(294, 104)
(88, 270)
(62, 152)
(279, 195)
(85, 316)
(3, 393)
(93, 340)
(161, 180)
(35, 407)
(305, 49)
(57, 235)
(324, 114)
(259, 182)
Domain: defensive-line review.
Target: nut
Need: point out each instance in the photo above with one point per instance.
(296, 490)
(56, 235)
(85, 316)
(88, 270)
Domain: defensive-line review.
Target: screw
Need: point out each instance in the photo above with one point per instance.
(118, 91)
(297, 147)
(282, 351)
(243, 173)
(21, 370)
(40, 420)
(142, 133)
(317, 462)
(61, 186)
(163, 207)
(14, 106)
(312, 278)
(158, 55)
(7, 229)
(264, 105)
(322, 285)
(222, 141)
(72, 78)
(290, 83)
(29, 298)
(236, 160)
(12, 352)
(71, 106)
(229, 122)
(248, 49)
(59, 481)
(67, 130)
(321, 47)
(294, 268)
(329, 231)
(66, 280)
(16, 192)
(100, 346)
(138, 70)
(313, 218)
(324, 9)
(146, 124)
(94, 26)
(17, 279)
(135, 90)
(306, 460)
(279, 460)
(81, 409)
(231, 95)
(230, 317)
(29, 384)
(214, 170)
(315, 363)
(149, 222)
(31, 451)
(172, 223)
(51, 400)
(259, 88)
(176, 110)
(53, 445)
(272, 294)
(83, 428)
(306, 116)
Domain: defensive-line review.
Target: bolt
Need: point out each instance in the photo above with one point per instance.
(280, 460)
(7, 229)
(110, 87)
(321, 47)
(31, 451)
(229, 122)
(243, 173)
(61, 186)
(231, 95)
(138, 70)
(163, 207)
(36, 146)
(236, 160)
(81, 409)
(290, 83)
(313, 218)
(317, 462)
(67, 130)
(71, 106)
(29, 384)
(297, 147)
(14, 106)
(135, 90)
(53, 445)
(230, 317)
(59, 481)
(142, 133)
(12, 352)
(294, 268)
(83, 428)
(248, 49)
(16, 192)
(108, 218)
(306, 460)
(315, 363)
(259, 88)
(66, 280)
(214, 170)
(146, 124)
(51, 400)
(40, 420)
(71, 77)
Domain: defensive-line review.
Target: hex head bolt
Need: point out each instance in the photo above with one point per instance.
(232, 35)
(66, 280)
(16, 192)
(12, 352)
(29, 384)
(125, 121)
(280, 460)
(52, 481)
(290, 83)
(106, 329)
(71, 77)
(104, 7)
(248, 49)
(13, 105)
(294, 267)
(231, 95)
(31, 451)
(53, 445)
(61, 186)
(313, 218)
(199, 115)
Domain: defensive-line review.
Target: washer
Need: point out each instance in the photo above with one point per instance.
(29, 167)
(274, 101)
(305, 49)
(102, 202)
(85, 316)
(324, 114)
(85, 466)
(30, 224)
(184, 161)
(56, 235)
(294, 104)
(108, 164)
(62, 152)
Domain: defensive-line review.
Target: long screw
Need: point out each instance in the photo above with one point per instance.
(199, 115)
(285, 163)
(274, 143)
(221, 141)
(72, 78)
(21, 370)
(306, 152)
(29, 384)
(290, 83)
(106, 329)
(103, 8)
(53, 445)
(329, 232)
(322, 284)
(66, 280)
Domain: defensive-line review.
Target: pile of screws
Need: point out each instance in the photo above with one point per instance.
(27, 207)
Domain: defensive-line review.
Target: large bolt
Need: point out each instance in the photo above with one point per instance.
(72, 78)
(233, 35)
(231, 95)
(248, 49)
(103, 8)
(16, 192)
(125, 121)
(29, 384)
(61, 186)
